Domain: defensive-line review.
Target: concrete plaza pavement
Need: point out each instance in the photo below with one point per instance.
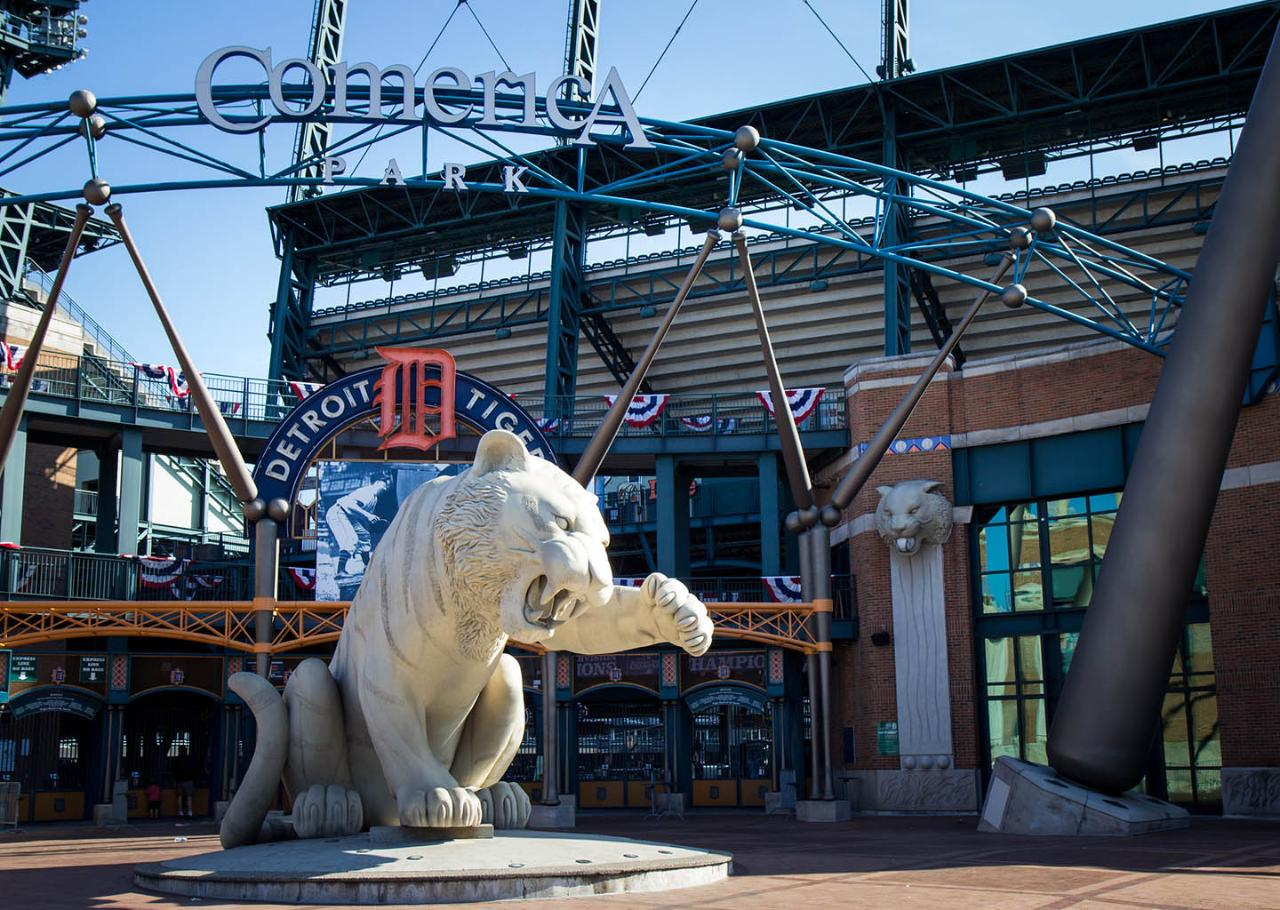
(899, 863)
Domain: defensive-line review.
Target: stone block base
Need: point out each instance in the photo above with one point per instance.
(104, 815)
(561, 816)
(1032, 799)
(396, 835)
(1254, 792)
(935, 790)
(822, 810)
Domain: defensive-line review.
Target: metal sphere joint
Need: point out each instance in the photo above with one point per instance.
(792, 522)
(95, 126)
(1019, 238)
(278, 509)
(82, 102)
(254, 510)
(830, 516)
(1013, 296)
(731, 159)
(1043, 220)
(730, 219)
(97, 191)
(746, 138)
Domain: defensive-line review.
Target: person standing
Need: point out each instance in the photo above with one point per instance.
(153, 800)
(356, 522)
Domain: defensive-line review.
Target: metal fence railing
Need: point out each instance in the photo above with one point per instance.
(243, 401)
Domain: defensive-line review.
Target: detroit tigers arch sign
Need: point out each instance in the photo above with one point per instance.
(320, 417)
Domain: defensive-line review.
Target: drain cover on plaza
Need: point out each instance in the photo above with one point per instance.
(355, 870)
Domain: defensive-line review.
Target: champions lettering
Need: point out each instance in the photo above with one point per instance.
(436, 110)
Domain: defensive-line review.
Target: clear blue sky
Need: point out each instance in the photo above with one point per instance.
(211, 252)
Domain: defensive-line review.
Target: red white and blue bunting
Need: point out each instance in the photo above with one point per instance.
(643, 410)
(783, 589)
(803, 402)
(14, 354)
(554, 424)
(160, 571)
(628, 582)
(158, 371)
(305, 579)
(304, 390)
(702, 423)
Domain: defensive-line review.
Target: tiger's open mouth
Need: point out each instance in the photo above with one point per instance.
(906, 545)
(549, 607)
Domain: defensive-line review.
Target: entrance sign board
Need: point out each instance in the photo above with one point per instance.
(445, 98)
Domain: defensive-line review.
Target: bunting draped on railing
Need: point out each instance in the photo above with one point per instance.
(194, 584)
(703, 423)
(160, 571)
(304, 390)
(783, 589)
(643, 410)
(628, 582)
(554, 424)
(803, 402)
(174, 377)
(14, 355)
(305, 579)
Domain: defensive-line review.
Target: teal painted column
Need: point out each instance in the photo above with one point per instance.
(131, 490)
(673, 518)
(770, 525)
(104, 537)
(15, 478)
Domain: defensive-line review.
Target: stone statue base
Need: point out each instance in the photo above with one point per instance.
(513, 865)
(1032, 799)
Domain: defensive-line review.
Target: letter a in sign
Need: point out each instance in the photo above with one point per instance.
(402, 391)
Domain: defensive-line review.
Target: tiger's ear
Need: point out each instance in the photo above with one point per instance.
(884, 491)
(500, 450)
(930, 486)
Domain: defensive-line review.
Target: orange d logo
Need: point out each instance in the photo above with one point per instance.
(403, 390)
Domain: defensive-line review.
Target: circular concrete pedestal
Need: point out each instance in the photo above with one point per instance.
(355, 870)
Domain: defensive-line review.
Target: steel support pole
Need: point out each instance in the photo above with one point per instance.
(224, 444)
(550, 735)
(598, 447)
(805, 542)
(16, 400)
(788, 435)
(856, 479)
(820, 561)
(266, 560)
(1110, 706)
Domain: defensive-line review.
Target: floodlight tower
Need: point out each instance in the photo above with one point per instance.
(895, 62)
(325, 50)
(39, 37)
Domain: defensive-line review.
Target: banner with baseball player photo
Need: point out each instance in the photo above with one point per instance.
(357, 502)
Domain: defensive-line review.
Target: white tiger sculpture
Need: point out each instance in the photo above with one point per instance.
(419, 714)
(909, 514)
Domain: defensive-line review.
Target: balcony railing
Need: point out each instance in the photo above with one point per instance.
(32, 573)
(243, 400)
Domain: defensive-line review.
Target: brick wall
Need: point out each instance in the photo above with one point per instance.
(48, 497)
(1095, 384)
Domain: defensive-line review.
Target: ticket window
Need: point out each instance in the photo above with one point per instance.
(621, 746)
(732, 755)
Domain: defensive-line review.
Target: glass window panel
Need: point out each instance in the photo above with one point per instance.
(1199, 645)
(1105, 502)
(1209, 786)
(1034, 731)
(1178, 782)
(1072, 586)
(993, 548)
(1024, 540)
(997, 594)
(1023, 512)
(1067, 647)
(1001, 672)
(1002, 726)
(1102, 525)
(1069, 541)
(1030, 659)
(1204, 730)
(1174, 717)
(1028, 592)
(1057, 508)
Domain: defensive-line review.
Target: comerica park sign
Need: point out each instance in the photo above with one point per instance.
(446, 98)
